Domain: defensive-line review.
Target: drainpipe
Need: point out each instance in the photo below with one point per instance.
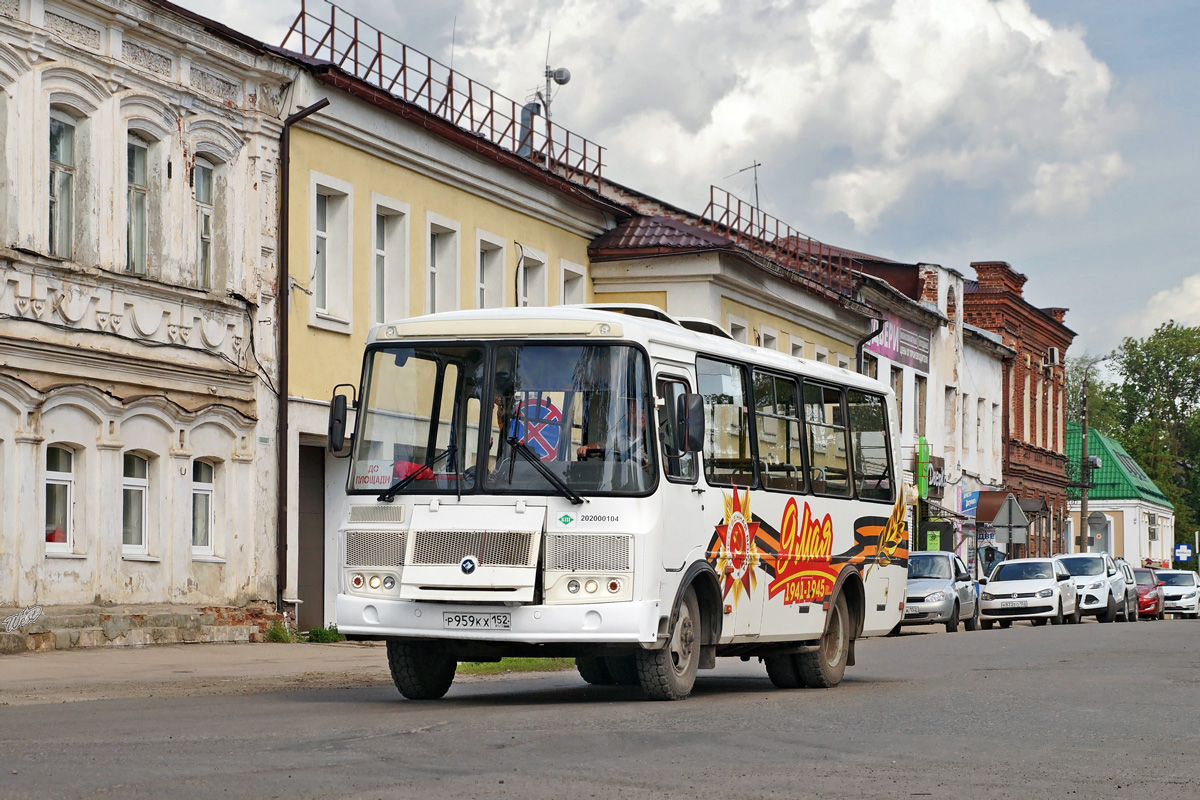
(858, 348)
(283, 312)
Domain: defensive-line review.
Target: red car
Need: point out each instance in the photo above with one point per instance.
(1150, 594)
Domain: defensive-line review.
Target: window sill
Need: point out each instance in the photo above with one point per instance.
(328, 322)
(66, 555)
(136, 557)
(208, 559)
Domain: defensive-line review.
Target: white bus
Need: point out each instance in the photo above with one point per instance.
(614, 486)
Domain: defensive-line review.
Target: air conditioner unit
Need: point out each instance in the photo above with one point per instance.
(1052, 357)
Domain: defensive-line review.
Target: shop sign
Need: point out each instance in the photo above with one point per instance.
(903, 342)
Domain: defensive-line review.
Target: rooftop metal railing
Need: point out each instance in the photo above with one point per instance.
(408, 74)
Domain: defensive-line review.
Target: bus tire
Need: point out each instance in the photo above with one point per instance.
(421, 670)
(824, 667)
(623, 670)
(594, 671)
(783, 672)
(669, 673)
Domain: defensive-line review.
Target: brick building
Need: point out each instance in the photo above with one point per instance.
(1034, 431)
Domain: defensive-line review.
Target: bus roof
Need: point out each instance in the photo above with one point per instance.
(647, 325)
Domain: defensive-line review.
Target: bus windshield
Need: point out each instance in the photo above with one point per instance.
(581, 411)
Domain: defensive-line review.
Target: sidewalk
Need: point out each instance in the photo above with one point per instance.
(183, 670)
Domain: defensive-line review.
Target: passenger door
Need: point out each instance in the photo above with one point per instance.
(965, 589)
(685, 530)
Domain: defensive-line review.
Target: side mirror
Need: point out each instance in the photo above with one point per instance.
(689, 428)
(983, 581)
(337, 423)
(1162, 583)
(962, 576)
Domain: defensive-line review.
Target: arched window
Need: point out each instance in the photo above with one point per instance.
(202, 181)
(60, 498)
(135, 490)
(62, 184)
(203, 508)
(138, 188)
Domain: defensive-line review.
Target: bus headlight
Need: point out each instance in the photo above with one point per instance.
(389, 583)
(590, 587)
(375, 582)
(573, 587)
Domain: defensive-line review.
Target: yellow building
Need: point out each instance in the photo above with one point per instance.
(402, 202)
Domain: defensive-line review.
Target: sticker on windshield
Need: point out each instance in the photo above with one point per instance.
(373, 475)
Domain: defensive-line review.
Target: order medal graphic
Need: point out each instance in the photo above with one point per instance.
(737, 554)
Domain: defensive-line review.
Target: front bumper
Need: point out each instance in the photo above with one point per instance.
(599, 623)
(1093, 601)
(1182, 606)
(1147, 606)
(927, 613)
(1036, 607)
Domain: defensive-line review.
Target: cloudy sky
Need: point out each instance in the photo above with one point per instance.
(1057, 135)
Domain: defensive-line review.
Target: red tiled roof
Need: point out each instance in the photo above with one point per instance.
(657, 234)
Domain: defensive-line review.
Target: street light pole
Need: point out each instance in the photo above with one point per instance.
(1085, 474)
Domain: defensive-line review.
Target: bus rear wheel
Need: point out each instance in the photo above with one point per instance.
(783, 672)
(421, 670)
(824, 667)
(669, 673)
(595, 671)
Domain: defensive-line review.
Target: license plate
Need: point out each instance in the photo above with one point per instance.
(490, 621)
(1014, 603)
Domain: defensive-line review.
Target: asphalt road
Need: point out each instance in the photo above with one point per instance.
(1089, 710)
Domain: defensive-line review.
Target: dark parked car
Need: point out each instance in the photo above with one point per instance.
(1150, 593)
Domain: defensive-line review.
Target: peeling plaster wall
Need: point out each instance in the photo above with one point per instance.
(104, 361)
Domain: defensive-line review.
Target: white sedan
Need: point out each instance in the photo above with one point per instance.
(1181, 588)
(1036, 589)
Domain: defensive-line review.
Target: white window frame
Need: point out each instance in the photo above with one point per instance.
(770, 337)
(61, 242)
(142, 486)
(843, 361)
(337, 313)
(209, 490)
(390, 297)
(205, 222)
(533, 280)
(738, 327)
(137, 236)
(491, 270)
(820, 353)
(796, 346)
(443, 263)
(572, 280)
(56, 478)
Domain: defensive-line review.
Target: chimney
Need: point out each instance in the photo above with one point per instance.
(1059, 314)
(928, 284)
(998, 276)
(525, 143)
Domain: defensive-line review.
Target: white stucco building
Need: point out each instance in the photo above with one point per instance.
(138, 217)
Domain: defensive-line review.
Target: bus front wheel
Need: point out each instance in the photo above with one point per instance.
(421, 670)
(823, 668)
(593, 670)
(669, 673)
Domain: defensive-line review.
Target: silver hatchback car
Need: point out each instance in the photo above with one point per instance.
(940, 591)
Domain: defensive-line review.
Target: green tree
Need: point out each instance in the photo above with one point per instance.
(1103, 410)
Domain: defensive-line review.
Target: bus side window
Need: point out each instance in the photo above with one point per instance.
(727, 455)
(869, 440)
(777, 420)
(678, 466)
(829, 468)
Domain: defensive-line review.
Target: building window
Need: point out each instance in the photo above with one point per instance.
(138, 189)
(60, 496)
(966, 423)
(441, 279)
(797, 347)
(321, 272)
(821, 353)
(203, 513)
(921, 384)
(380, 281)
(870, 366)
(62, 184)
(738, 328)
(574, 283)
(1152, 527)
(950, 422)
(980, 413)
(769, 338)
(843, 361)
(898, 388)
(135, 488)
(996, 430)
(329, 281)
(531, 278)
(202, 182)
(489, 271)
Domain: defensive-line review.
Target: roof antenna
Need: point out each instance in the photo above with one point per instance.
(754, 167)
(561, 76)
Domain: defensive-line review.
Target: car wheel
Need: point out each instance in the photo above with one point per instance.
(1057, 619)
(669, 673)
(1038, 622)
(972, 622)
(1110, 612)
(1006, 623)
(952, 623)
(986, 624)
(1123, 613)
(1077, 617)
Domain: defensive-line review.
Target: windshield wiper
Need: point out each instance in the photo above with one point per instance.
(520, 447)
(388, 494)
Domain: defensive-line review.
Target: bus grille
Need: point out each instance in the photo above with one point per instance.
(377, 512)
(374, 548)
(589, 553)
(492, 548)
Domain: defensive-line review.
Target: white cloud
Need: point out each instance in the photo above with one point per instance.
(1067, 187)
(1180, 303)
